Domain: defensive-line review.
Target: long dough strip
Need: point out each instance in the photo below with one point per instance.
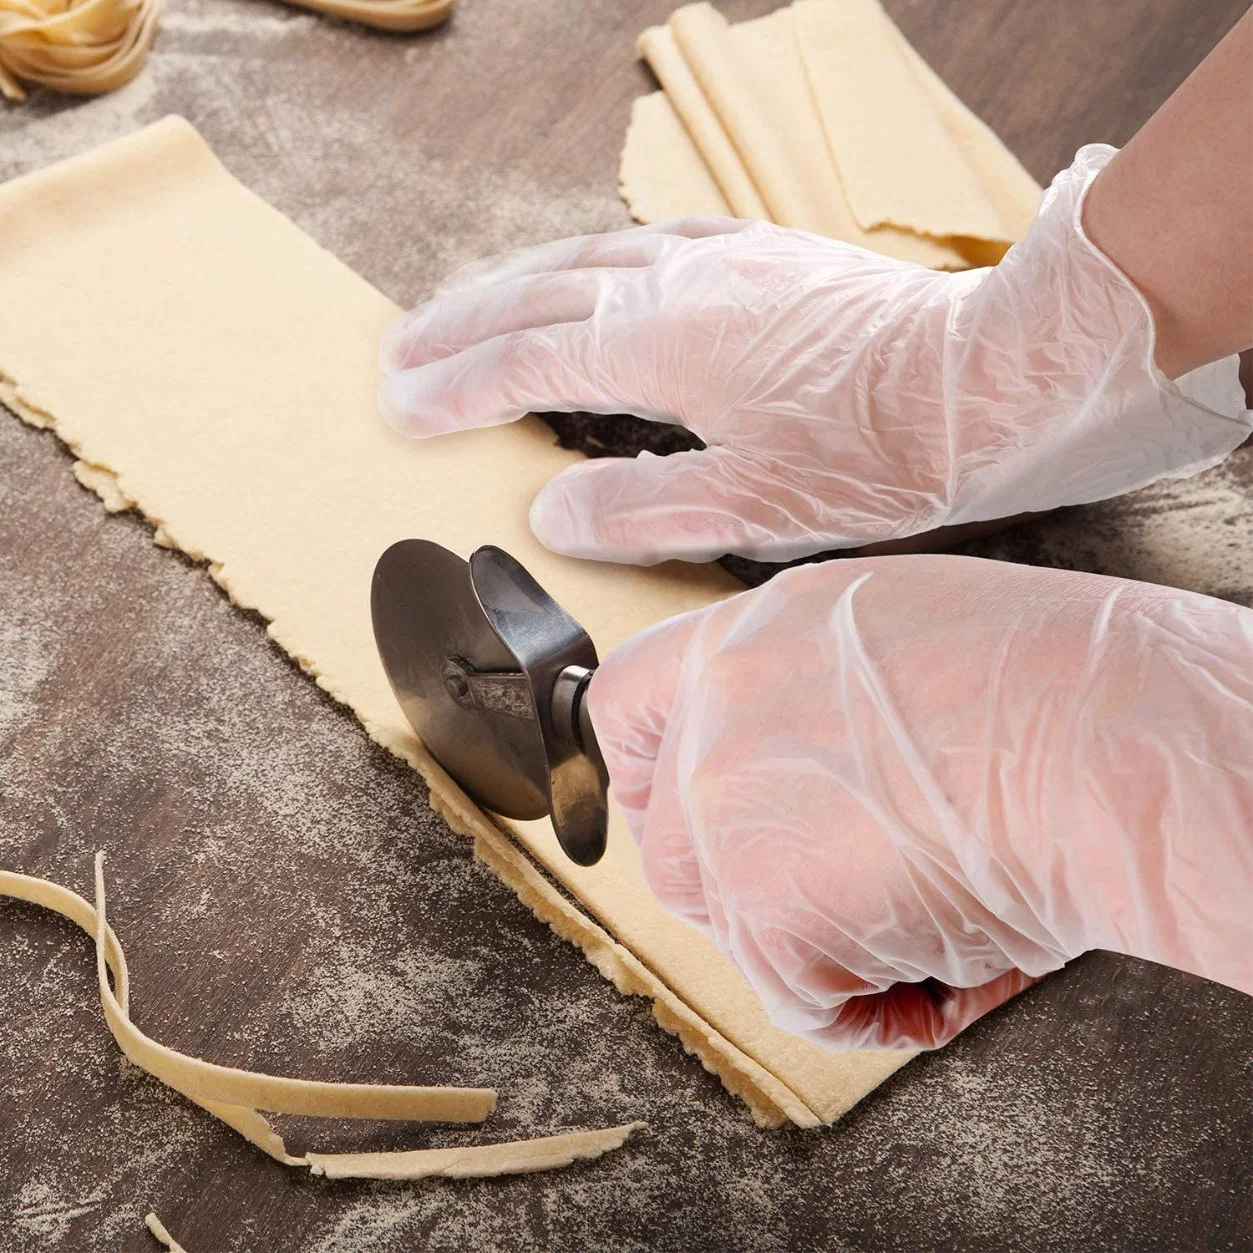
(157, 1227)
(205, 1081)
(513, 1157)
(235, 1091)
(658, 47)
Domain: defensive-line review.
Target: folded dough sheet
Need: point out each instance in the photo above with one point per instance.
(213, 367)
(820, 116)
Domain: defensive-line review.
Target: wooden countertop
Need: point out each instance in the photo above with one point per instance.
(288, 901)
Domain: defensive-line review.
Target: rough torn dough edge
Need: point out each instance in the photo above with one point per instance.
(770, 1101)
(645, 196)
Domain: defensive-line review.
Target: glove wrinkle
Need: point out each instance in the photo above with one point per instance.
(895, 791)
(853, 398)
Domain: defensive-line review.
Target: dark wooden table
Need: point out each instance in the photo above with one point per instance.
(289, 902)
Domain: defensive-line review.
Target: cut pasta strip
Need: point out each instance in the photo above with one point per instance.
(236, 1096)
(514, 1157)
(157, 1227)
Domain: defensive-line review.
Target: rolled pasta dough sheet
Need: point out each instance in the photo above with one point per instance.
(218, 369)
(706, 137)
(755, 81)
(1005, 180)
(662, 174)
(837, 125)
(898, 164)
(770, 63)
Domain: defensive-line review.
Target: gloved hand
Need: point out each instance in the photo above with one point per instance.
(873, 773)
(844, 397)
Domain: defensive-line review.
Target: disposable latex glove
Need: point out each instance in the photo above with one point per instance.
(873, 773)
(844, 397)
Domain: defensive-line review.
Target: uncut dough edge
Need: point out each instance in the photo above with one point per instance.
(156, 217)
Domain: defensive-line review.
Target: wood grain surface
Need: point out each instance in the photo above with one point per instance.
(289, 902)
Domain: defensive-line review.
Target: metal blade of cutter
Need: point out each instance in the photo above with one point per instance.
(432, 635)
(491, 673)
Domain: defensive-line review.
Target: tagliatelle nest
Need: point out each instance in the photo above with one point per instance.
(80, 48)
(87, 47)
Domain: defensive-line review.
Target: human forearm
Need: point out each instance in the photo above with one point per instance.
(1174, 210)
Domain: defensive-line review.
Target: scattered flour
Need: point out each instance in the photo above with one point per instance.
(226, 17)
(241, 812)
(44, 1210)
(48, 130)
(28, 650)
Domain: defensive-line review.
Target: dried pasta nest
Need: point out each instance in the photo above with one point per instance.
(87, 47)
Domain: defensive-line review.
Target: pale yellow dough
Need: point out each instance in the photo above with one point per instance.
(824, 116)
(159, 1233)
(181, 334)
(237, 1096)
(898, 163)
(80, 47)
(662, 175)
(705, 137)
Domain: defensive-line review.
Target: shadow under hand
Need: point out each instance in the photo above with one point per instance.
(624, 435)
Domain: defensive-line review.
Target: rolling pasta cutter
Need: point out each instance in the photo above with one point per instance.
(492, 674)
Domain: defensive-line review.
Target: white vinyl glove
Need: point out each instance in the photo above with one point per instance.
(844, 397)
(894, 790)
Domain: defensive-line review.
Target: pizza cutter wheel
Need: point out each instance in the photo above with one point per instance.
(492, 674)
